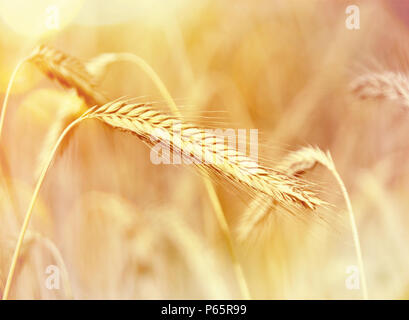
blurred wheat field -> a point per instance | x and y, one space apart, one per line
118 226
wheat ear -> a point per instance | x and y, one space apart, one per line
383 86
69 72
260 208
305 159
66 70
97 67
197 144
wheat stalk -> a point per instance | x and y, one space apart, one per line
4 165
28 214
8 90
383 86
97 68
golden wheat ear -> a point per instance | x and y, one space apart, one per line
382 86
196 144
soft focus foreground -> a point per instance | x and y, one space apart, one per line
116 225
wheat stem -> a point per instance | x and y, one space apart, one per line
31 206
4 165
226 232
6 97
354 232
154 77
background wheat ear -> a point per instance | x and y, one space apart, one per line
66 70
393 86
306 158
72 74
69 72
255 214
